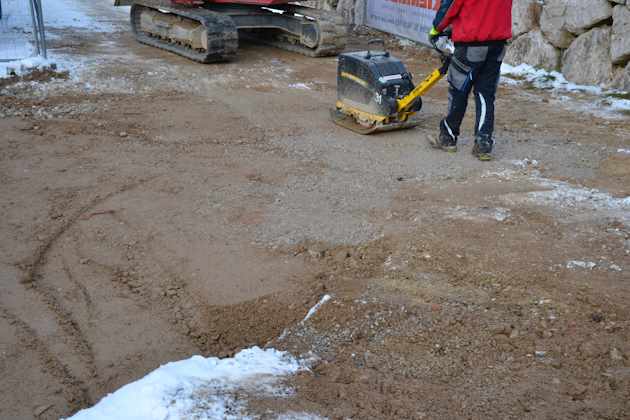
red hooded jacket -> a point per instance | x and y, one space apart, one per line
475 20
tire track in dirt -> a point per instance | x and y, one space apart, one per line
82 289
34 280
75 390
175 296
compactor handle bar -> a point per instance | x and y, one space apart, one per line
376 41
444 55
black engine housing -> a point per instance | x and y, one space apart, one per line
373 82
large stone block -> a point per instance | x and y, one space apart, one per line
621 78
532 48
525 16
620 44
346 9
553 23
584 14
587 61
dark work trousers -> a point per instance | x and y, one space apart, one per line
476 67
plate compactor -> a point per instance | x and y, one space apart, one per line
375 92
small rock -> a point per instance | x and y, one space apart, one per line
123 134
597 317
615 354
41 409
589 349
577 391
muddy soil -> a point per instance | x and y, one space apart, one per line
154 208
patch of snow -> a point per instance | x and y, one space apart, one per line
567 195
24 66
525 163
302 86
79 15
201 387
17 54
581 264
315 308
615 267
544 79
562 195
555 81
499 214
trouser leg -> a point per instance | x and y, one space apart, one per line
485 89
460 83
457 104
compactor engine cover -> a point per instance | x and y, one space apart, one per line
372 83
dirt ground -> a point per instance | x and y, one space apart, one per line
154 208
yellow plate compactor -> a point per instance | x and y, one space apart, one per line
375 92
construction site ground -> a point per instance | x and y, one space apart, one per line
154 208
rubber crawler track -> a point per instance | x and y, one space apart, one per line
222 34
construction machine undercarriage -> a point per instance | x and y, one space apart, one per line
210 32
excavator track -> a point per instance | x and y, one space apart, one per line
210 33
216 35
333 33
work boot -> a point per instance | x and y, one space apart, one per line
446 140
483 147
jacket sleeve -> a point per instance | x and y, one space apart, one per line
449 9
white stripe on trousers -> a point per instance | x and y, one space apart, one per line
482 118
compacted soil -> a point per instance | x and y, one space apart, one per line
154 208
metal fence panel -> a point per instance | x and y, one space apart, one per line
410 19
22 32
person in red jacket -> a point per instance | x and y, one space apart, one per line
480 29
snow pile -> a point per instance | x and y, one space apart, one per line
205 388
581 264
553 80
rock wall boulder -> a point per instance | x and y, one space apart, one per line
553 23
622 78
582 15
525 16
532 48
587 61
590 37
620 45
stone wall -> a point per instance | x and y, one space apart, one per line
587 40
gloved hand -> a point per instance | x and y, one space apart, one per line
433 34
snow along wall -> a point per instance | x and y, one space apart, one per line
587 40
